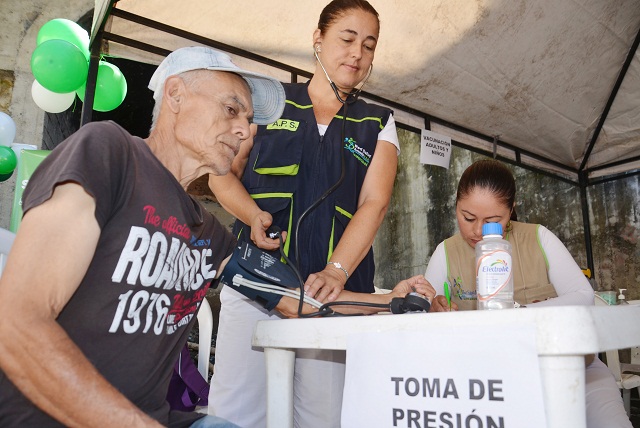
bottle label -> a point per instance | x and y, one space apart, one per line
493 273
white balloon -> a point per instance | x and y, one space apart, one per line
50 101
7 129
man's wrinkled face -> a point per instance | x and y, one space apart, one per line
215 117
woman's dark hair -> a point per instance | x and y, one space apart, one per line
338 8
490 175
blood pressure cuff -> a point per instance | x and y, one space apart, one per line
254 264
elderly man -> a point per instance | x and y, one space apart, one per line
113 257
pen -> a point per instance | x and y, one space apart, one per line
447 294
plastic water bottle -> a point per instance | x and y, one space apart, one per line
494 276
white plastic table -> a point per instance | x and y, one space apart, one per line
564 335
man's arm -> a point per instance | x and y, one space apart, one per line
50 256
289 306
235 199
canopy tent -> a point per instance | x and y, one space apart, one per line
550 83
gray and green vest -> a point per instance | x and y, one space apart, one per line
530 267
291 166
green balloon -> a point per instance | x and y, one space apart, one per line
59 66
5 177
8 160
111 88
66 30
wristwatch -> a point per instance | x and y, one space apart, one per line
339 266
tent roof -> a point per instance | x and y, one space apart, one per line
556 80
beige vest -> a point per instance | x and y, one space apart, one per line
530 279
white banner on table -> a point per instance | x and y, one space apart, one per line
435 149
459 378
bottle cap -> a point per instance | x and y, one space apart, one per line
491 229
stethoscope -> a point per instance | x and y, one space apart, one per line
350 98
409 303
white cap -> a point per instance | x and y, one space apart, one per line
267 93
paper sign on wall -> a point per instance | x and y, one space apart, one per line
458 378
435 149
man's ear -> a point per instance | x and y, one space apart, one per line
174 93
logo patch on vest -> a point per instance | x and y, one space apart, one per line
285 124
461 293
358 152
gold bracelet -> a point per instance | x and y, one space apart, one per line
339 266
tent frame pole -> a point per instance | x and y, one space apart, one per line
92 77
612 97
584 203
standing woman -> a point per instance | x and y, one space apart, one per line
544 272
323 174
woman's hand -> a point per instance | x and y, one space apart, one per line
259 224
417 284
440 304
325 286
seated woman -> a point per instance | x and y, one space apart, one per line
544 271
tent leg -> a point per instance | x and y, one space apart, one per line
584 181
90 89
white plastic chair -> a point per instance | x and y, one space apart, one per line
205 331
627 375
6 241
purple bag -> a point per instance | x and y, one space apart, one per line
187 388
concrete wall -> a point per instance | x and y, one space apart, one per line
615 227
422 210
